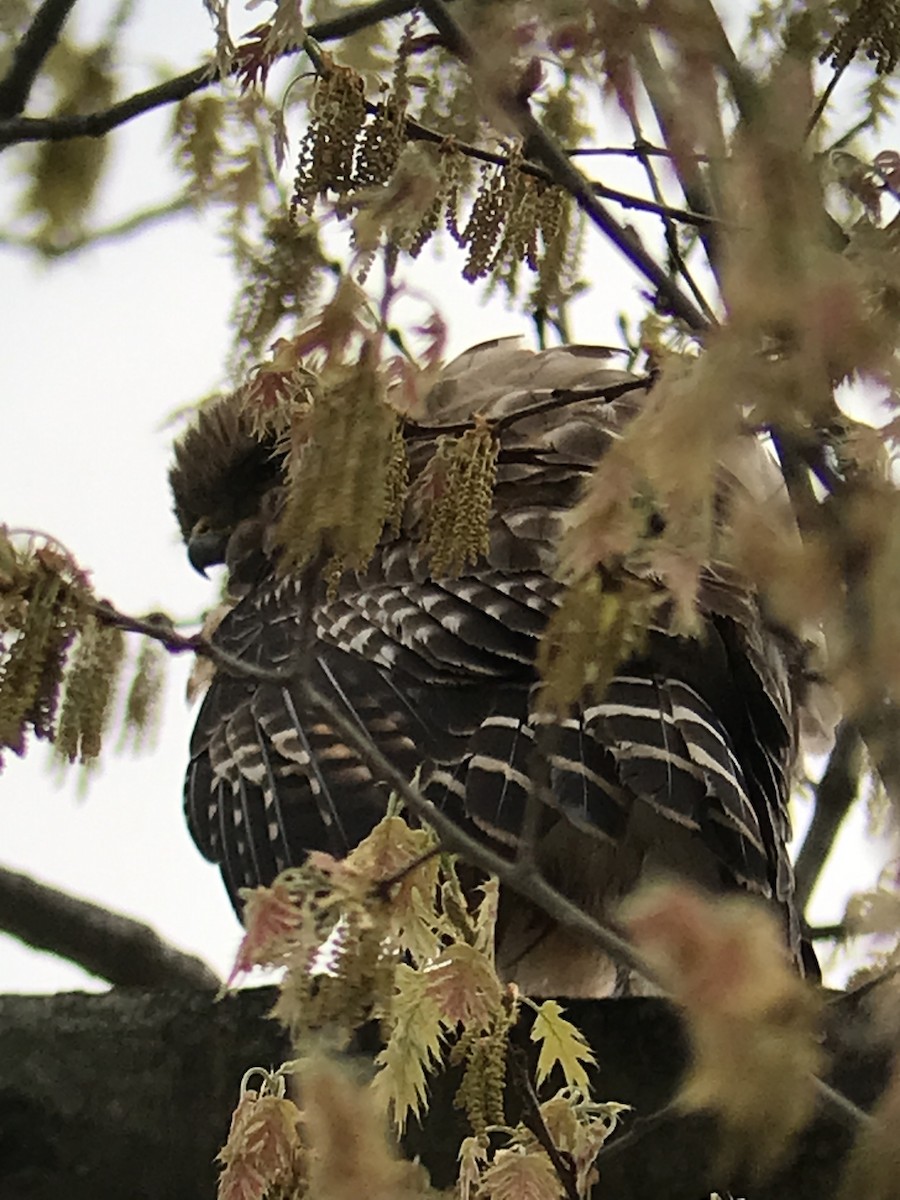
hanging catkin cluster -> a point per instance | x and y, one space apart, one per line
41 608
516 217
327 152
348 479
461 476
873 27
90 682
57 641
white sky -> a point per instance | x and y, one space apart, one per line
96 352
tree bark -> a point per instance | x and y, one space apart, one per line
128 1096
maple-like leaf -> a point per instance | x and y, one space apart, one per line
413 1050
561 1043
464 986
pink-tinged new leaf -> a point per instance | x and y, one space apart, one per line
464 986
752 1021
271 921
520 1174
262 1150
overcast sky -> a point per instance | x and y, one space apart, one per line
97 351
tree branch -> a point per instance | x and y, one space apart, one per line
116 948
417 132
836 792
520 877
28 57
108 233
564 171
39 129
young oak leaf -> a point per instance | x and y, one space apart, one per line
263 1148
272 918
561 1043
464 986
413 1050
520 1174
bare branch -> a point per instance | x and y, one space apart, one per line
671 233
39 129
109 945
565 172
28 57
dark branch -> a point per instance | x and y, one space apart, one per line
29 55
555 398
39 129
836 792
565 173
119 949
417 132
533 1119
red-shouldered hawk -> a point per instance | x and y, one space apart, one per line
681 766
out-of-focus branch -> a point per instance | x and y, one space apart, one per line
836 792
108 233
563 170
119 949
28 57
38 129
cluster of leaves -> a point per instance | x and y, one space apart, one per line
61 657
389 933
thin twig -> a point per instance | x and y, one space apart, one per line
670 232
564 171
696 188
630 152
556 398
28 57
822 102
383 887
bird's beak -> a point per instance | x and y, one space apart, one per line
206 548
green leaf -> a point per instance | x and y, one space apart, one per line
561 1043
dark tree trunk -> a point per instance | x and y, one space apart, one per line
128 1095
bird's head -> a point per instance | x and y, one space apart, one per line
220 479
